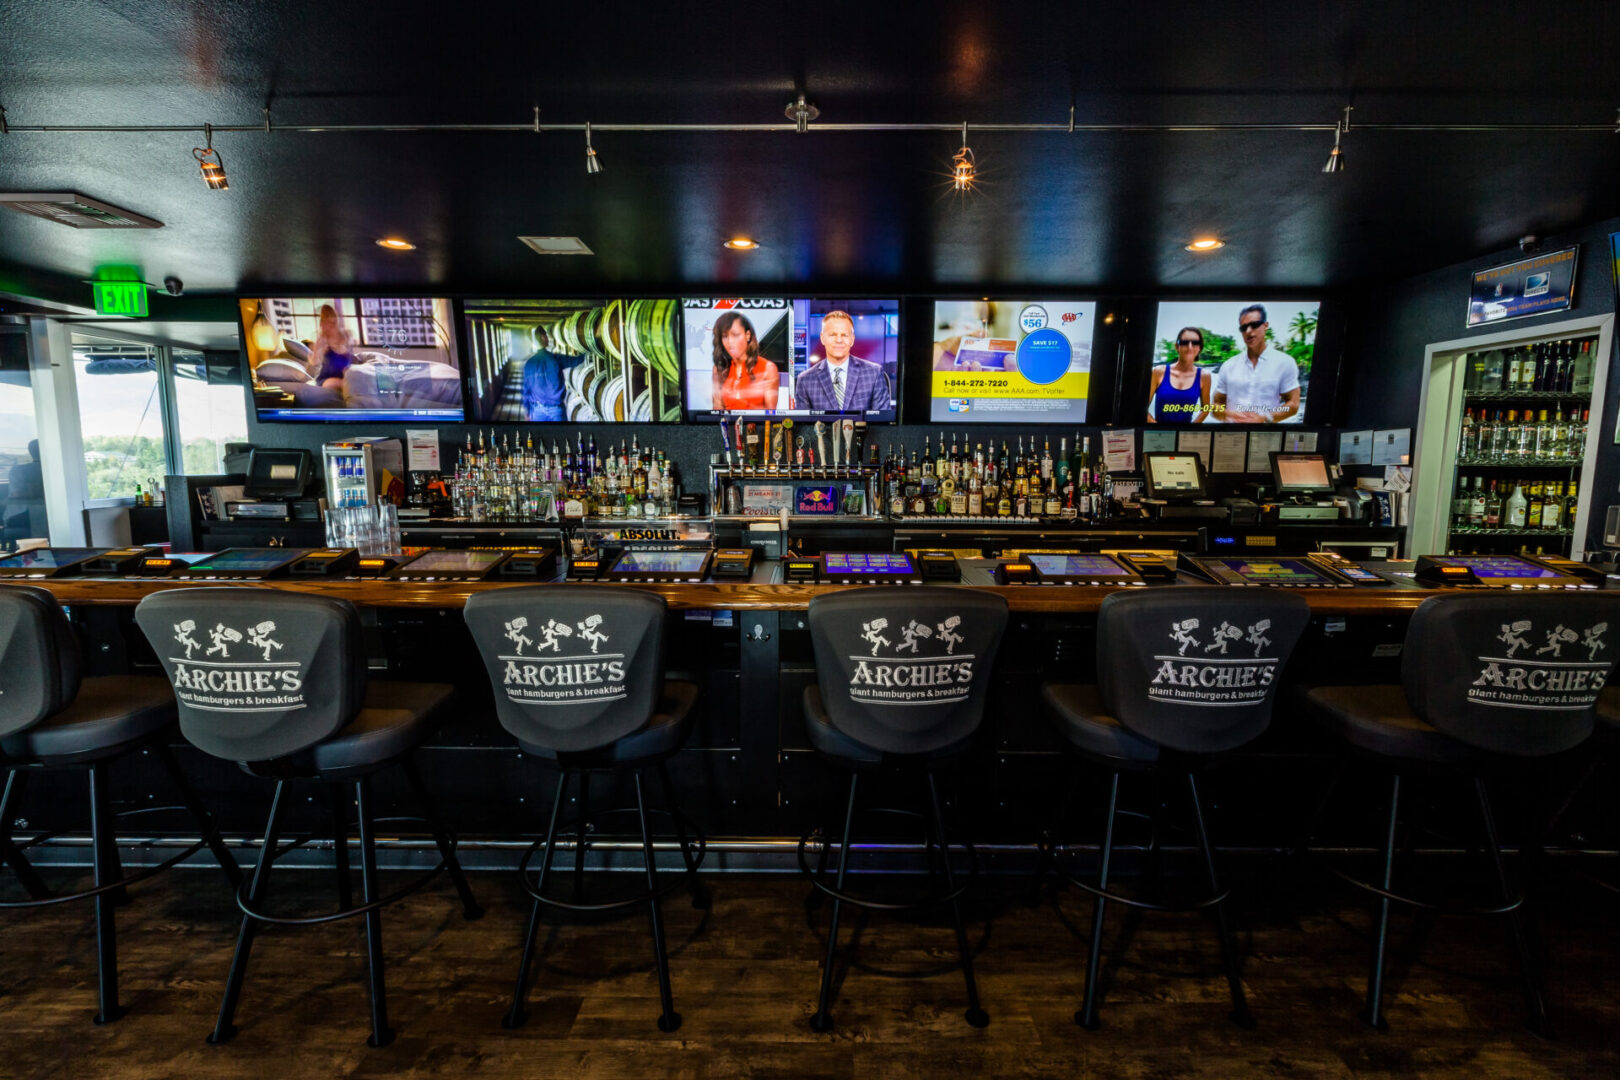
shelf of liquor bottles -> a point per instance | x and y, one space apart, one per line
1554 368
1542 397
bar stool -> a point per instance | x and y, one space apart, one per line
1488 684
277 683
578 674
1183 676
52 719
901 680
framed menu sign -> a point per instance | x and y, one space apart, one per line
1534 286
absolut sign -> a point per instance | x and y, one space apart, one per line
549 663
1211 676
1543 677
909 674
237 671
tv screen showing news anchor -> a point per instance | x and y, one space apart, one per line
1232 361
791 357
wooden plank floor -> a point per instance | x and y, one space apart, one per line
745 973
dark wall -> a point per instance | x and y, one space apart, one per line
1391 326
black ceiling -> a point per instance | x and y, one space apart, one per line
841 211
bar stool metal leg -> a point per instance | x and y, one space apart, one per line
670 1020
515 1015
206 820
1234 977
1048 842
700 892
104 841
822 1020
381 1034
583 818
1087 1016
1536 1007
975 1015
1374 1012
224 1026
16 783
469 906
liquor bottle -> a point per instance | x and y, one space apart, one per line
1062 465
1580 380
1004 505
942 464
1054 500
1533 507
1552 507
1571 505
975 495
1481 448
1459 503
1493 507
1512 366
1465 442
1476 504
1493 371
1533 375
1046 460
1083 481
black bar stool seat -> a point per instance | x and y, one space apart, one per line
1171 702
1379 720
280 686
110 715
578 674
1085 724
1489 684
53 719
851 753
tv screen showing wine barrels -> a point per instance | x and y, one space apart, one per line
587 361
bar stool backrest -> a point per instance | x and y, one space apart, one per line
906 670
1513 672
39 658
1196 669
257 673
574 667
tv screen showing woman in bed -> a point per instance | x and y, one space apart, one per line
352 358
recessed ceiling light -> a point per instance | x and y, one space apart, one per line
1207 243
556 245
742 243
394 243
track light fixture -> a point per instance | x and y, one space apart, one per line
1335 161
593 164
209 162
801 112
964 170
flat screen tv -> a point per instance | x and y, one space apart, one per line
1232 361
1011 361
352 359
803 358
583 361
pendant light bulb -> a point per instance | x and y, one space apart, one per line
209 163
964 170
1335 161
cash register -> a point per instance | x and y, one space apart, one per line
1303 489
1176 488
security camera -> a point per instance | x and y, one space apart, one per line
173 285
1530 243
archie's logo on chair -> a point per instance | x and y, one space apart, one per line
1528 682
1214 680
917 678
239 684
559 679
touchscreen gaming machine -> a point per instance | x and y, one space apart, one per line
856 568
1300 573
1304 488
1492 572
47 562
243 564
664 565
1176 487
439 565
1054 569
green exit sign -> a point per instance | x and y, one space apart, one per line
120 298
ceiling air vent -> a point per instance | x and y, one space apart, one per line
75 211
557 245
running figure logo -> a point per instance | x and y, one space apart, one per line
1225 634
1594 639
874 633
913 632
948 634
223 637
182 634
1510 636
515 634
587 631
1557 639
259 638
1257 635
1181 634
551 632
